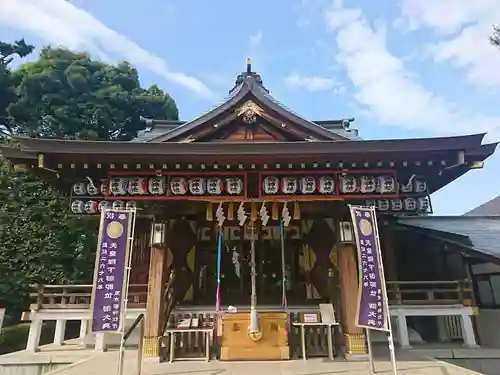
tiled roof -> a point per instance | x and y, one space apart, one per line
490 208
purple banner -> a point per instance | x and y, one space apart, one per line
372 297
110 273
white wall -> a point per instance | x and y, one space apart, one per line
488 324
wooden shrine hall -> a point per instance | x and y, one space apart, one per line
245 207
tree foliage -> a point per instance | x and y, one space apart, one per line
66 94
63 94
495 38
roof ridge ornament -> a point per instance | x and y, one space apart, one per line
249 112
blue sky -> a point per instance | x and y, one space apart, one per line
402 68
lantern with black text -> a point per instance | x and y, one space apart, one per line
396 205
118 205
410 204
138 186
92 189
79 188
383 205
420 186
423 204
103 187
289 185
234 185
368 184
348 184
307 185
104 205
118 186
156 185
78 207
271 185
215 186
131 205
91 207
326 185
178 186
386 184
196 185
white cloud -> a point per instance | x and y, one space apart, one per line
463 28
61 23
310 83
385 87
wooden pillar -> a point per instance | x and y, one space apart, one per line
355 343
155 302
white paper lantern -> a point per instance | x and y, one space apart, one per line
178 186
271 185
410 204
423 204
383 204
196 185
138 186
156 185
215 186
396 205
368 184
407 188
326 185
371 203
118 205
118 186
307 185
91 207
420 186
78 207
79 188
130 205
104 205
234 185
289 185
386 184
92 189
348 184
103 187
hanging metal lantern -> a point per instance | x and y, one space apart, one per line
118 205
156 185
234 185
420 186
104 205
423 204
178 186
348 184
368 184
326 185
79 188
396 205
215 186
289 185
383 204
410 204
271 185
91 207
386 184
78 207
92 189
196 185
138 186
307 185
118 186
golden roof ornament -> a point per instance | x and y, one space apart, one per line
249 112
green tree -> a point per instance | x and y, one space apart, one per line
7 92
67 94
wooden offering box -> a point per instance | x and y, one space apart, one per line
237 345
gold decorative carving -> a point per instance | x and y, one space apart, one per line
249 112
151 346
255 336
355 343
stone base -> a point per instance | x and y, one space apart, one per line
151 347
357 357
355 344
